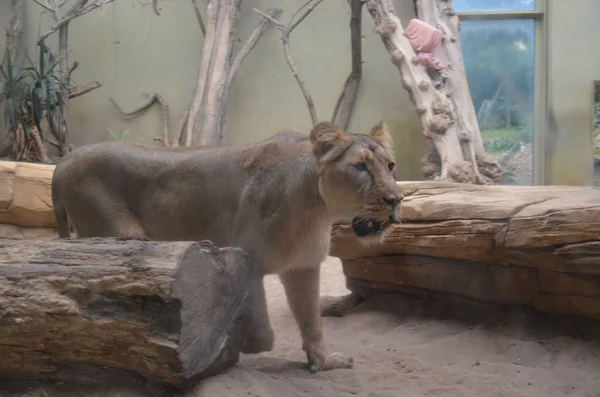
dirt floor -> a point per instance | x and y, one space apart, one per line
402 347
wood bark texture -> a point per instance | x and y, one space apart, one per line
202 124
536 245
205 120
25 198
169 311
445 159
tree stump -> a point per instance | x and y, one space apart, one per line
169 311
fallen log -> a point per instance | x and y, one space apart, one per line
169 311
532 245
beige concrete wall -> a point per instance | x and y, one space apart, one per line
573 66
134 52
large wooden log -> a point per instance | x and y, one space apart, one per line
169 311
533 245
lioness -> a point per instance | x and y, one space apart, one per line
275 199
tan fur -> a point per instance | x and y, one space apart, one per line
275 199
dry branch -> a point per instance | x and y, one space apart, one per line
345 103
251 42
156 97
79 90
286 31
199 17
81 7
170 311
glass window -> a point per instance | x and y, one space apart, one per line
493 5
499 59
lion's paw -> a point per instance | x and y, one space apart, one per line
332 361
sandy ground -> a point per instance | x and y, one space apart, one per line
402 347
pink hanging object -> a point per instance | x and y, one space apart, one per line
429 60
422 36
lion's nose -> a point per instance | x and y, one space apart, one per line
393 200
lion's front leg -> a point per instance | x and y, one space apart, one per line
302 291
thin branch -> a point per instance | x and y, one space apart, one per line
285 38
270 18
251 42
78 9
40 145
199 17
156 97
165 107
80 90
308 11
44 5
347 98
144 106
71 70
180 127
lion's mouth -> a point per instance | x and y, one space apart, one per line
364 227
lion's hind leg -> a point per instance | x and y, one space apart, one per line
102 217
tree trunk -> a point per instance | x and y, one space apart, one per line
205 119
345 104
170 311
453 83
63 76
451 154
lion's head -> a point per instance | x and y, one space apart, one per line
357 177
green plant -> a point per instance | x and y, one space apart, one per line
117 137
14 86
44 94
31 93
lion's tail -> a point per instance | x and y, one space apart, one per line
60 213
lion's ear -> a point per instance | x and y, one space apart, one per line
381 133
324 137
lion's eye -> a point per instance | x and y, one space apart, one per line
361 166
391 166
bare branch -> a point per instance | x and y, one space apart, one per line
180 127
44 5
251 42
81 7
345 103
71 70
308 11
143 107
165 107
270 18
40 145
155 7
80 90
285 38
156 97
199 17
